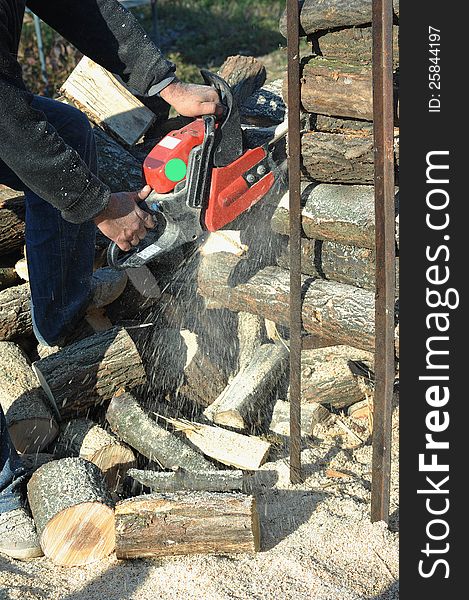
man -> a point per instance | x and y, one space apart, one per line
47 149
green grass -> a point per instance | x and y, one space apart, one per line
193 33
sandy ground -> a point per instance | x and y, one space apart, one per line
317 542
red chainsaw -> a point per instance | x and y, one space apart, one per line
202 179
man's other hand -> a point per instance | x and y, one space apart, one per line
122 221
192 100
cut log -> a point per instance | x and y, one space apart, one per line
29 420
225 240
88 373
133 426
340 213
311 415
336 88
245 75
15 314
117 168
338 125
227 447
333 310
329 14
182 480
157 525
86 439
243 402
250 335
339 158
12 214
8 277
326 377
73 512
353 44
107 102
265 106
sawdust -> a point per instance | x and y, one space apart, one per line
317 542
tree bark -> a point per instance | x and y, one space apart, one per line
353 44
243 401
311 415
117 168
157 525
332 310
250 336
265 106
340 158
245 75
12 215
88 373
181 480
328 124
133 426
15 315
8 277
87 440
326 377
73 512
29 420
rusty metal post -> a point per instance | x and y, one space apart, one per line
294 165
383 119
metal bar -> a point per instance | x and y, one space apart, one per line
294 164
383 118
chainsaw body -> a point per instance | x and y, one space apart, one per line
202 179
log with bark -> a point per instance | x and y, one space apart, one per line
117 168
352 44
227 447
333 310
326 376
157 525
336 88
12 215
15 314
181 480
244 401
73 512
87 440
129 422
340 158
88 373
8 277
330 14
265 106
245 75
328 124
311 415
28 417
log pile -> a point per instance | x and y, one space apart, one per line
153 419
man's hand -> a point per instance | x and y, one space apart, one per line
122 221
192 100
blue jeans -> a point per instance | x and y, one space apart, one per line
60 263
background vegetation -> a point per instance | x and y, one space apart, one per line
192 33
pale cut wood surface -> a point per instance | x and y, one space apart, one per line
107 102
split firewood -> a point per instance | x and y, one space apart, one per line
107 102
133 426
29 420
330 14
185 523
12 215
353 44
326 376
239 405
332 310
250 337
340 213
227 447
245 75
15 312
8 277
340 158
86 439
87 373
181 480
359 410
73 512
311 415
21 269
